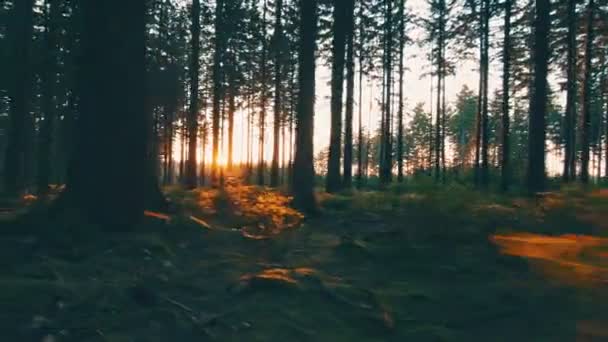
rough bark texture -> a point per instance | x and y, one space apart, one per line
570 115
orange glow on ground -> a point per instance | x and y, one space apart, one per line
568 258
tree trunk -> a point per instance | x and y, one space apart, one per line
231 111
46 129
192 121
350 94
337 87
303 173
570 115
586 105
538 101
400 113
485 17
440 79
217 90
360 133
278 34
263 100
506 77
386 171
113 124
21 39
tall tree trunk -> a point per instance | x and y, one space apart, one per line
263 100
400 113
46 129
337 87
570 115
113 100
386 171
440 79
278 35
478 115
231 112
21 39
192 120
350 94
538 101
360 133
303 173
485 17
586 105
217 90
506 77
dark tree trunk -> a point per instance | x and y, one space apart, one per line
485 17
263 100
350 94
20 89
586 105
387 170
538 100
400 113
217 90
278 34
192 121
506 73
46 129
360 133
113 124
337 86
303 173
231 111
440 80
570 115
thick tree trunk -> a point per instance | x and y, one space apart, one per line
110 155
333 182
231 111
506 77
303 173
586 105
21 39
570 116
278 33
192 121
538 101
350 94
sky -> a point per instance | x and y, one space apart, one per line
416 89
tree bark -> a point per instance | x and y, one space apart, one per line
105 182
263 100
400 112
570 115
350 94
538 101
303 173
192 121
506 77
278 33
21 32
217 90
586 105
485 17
386 170
337 85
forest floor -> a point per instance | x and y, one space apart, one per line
239 265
